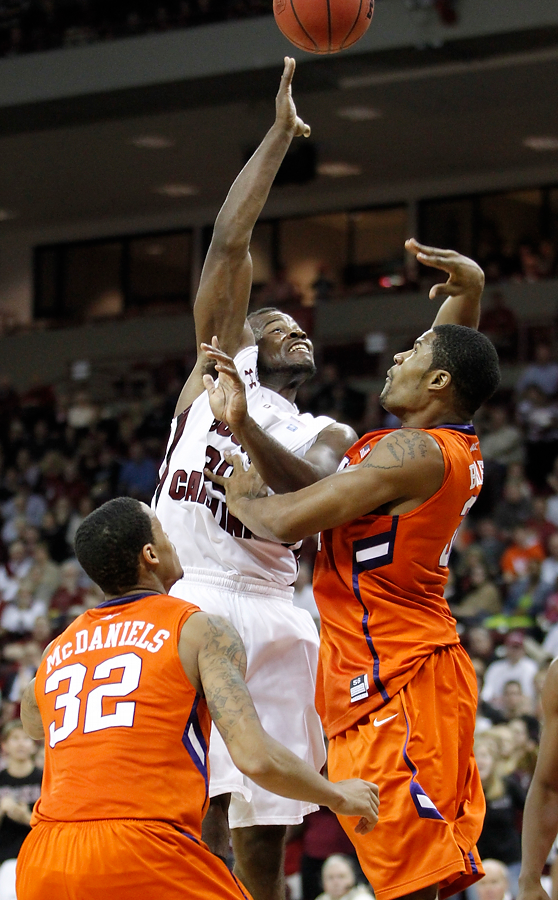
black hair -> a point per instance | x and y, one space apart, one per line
260 312
109 541
471 360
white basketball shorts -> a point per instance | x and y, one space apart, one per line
282 654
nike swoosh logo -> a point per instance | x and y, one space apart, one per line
383 721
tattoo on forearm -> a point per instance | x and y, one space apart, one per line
404 444
223 665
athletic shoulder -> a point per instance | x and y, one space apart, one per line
406 448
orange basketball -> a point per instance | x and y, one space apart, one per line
323 26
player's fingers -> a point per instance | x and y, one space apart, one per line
288 72
364 826
213 352
302 129
208 383
216 479
443 290
435 261
414 246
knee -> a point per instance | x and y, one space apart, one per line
260 843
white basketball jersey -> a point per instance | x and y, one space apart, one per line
192 509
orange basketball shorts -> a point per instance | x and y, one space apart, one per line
119 859
418 749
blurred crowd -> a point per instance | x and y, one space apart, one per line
64 451
31 25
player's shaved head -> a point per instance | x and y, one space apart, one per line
110 540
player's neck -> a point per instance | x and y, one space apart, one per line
430 418
147 587
287 391
20 768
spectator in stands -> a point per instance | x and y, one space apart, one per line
44 574
523 548
20 788
516 666
483 597
54 530
512 510
500 324
322 837
138 475
538 414
70 593
339 880
525 748
539 522
514 701
18 616
82 413
504 800
503 441
495 884
19 561
543 373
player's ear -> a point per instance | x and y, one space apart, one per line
149 556
440 379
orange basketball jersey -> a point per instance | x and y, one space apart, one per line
379 586
126 734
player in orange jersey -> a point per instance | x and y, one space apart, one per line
396 691
124 698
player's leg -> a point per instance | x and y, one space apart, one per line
431 798
215 826
259 854
428 893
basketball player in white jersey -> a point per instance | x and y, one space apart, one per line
226 570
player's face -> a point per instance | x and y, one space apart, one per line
169 569
406 389
283 346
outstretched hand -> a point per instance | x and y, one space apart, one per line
360 798
285 109
465 276
227 395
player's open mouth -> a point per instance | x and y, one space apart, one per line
299 346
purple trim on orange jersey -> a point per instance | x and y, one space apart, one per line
474 866
464 429
121 601
374 561
193 723
427 809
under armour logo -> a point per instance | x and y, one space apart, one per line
250 373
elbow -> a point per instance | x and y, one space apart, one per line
257 766
229 239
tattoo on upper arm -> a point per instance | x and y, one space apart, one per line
400 445
222 661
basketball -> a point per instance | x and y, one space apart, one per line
323 26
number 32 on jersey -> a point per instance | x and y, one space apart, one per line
94 719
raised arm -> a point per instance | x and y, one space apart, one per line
279 467
540 817
213 655
403 470
224 292
463 289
